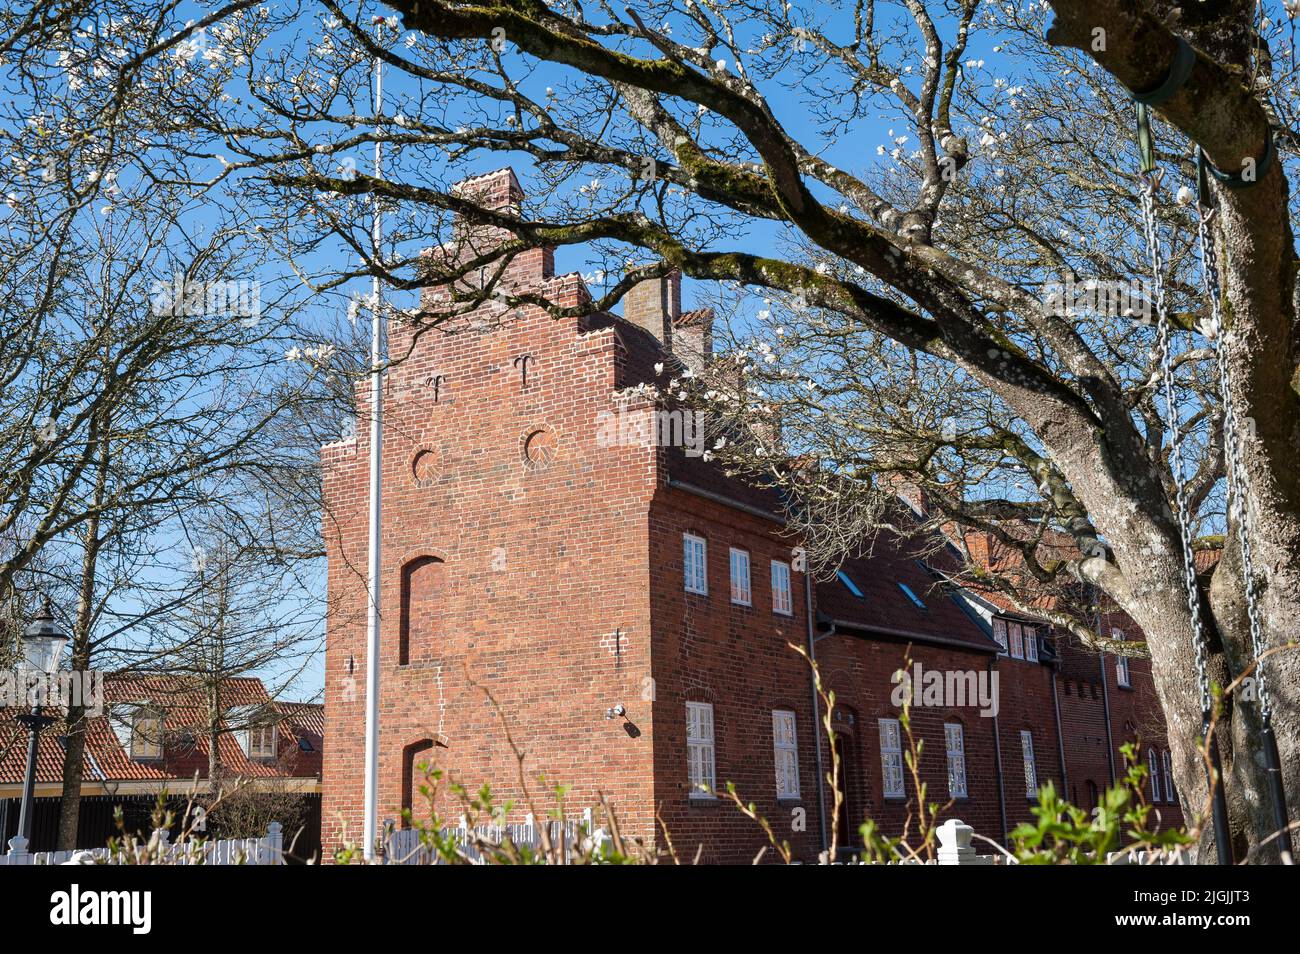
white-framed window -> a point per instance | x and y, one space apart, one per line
254 730
956 748
781 601
785 748
699 749
1031 770
1171 795
260 741
1121 672
1031 644
695 556
1153 769
1000 635
740 589
891 757
1017 641
146 734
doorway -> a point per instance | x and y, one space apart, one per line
846 781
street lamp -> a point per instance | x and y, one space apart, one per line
43 643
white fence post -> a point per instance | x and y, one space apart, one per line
274 844
18 854
954 843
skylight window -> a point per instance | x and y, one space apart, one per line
850 585
911 596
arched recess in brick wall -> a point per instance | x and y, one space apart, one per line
413 756
847 766
423 583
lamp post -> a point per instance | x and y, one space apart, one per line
43 643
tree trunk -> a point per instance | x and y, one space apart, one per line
74 751
1157 604
1221 113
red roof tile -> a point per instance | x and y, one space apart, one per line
186 739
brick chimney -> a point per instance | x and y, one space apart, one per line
492 190
910 493
693 338
655 304
498 191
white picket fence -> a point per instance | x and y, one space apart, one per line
402 845
1171 856
955 848
265 850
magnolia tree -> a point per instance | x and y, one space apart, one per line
926 223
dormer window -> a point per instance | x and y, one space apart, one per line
256 731
146 734
139 729
261 742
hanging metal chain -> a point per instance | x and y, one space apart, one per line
1149 183
1238 501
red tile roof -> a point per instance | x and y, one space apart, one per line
186 745
1207 559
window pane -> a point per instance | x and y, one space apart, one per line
956 759
694 564
781 588
785 754
1031 771
699 747
740 588
891 757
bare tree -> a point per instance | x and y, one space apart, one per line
143 354
247 619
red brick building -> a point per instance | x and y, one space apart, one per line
1094 703
534 551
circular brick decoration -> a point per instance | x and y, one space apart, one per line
539 448
424 467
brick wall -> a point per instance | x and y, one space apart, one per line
525 549
739 659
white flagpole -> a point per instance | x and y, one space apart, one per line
376 490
